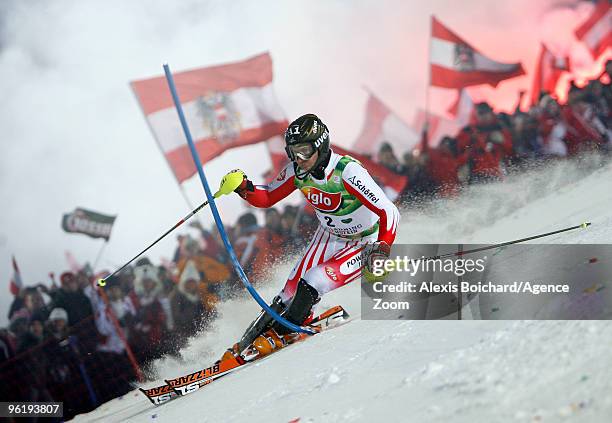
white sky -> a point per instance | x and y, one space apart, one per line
73 134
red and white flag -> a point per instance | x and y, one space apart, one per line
596 31
549 69
278 157
439 126
456 64
463 109
225 106
381 124
16 282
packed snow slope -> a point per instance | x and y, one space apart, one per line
422 371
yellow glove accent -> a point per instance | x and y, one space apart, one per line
230 182
371 277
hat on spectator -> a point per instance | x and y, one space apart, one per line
18 323
190 272
483 107
247 219
65 277
385 147
58 314
141 273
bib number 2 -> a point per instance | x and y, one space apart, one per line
329 221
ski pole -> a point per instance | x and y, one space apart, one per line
102 282
516 241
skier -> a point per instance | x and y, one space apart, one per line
357 225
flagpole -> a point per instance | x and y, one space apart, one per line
93 267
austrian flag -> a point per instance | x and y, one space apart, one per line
383 125
596 31
548 71
456 64
16 282
226 106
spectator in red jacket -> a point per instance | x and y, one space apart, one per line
551 128
442 165
582 134
484 145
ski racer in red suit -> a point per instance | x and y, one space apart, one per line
353 212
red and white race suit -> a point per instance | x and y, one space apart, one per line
352 211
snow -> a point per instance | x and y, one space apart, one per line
422 371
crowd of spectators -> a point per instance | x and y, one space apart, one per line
68 342
494 144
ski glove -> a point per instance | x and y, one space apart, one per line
235 181
378 251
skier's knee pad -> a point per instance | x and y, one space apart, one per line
300 306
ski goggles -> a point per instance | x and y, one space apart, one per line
302 151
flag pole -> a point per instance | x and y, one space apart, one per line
93 267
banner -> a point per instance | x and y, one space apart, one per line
225 106
89 223
548 71
383 125
16 282
596 31
456 64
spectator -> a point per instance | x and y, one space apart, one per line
34 336
420 184
484 145
71 298
63 374
598 102
582 132
58 320
268 245
552 128
525 137
213 273
245 236
442 165
187 307
121 305
148 332
387 158
17 303
35 361
7 346
211 245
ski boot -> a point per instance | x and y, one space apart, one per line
298 310
269 341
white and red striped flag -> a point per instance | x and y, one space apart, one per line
439 126
16 281
278 157
381 124
225 106
463 108
596 31
456 64
549 69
